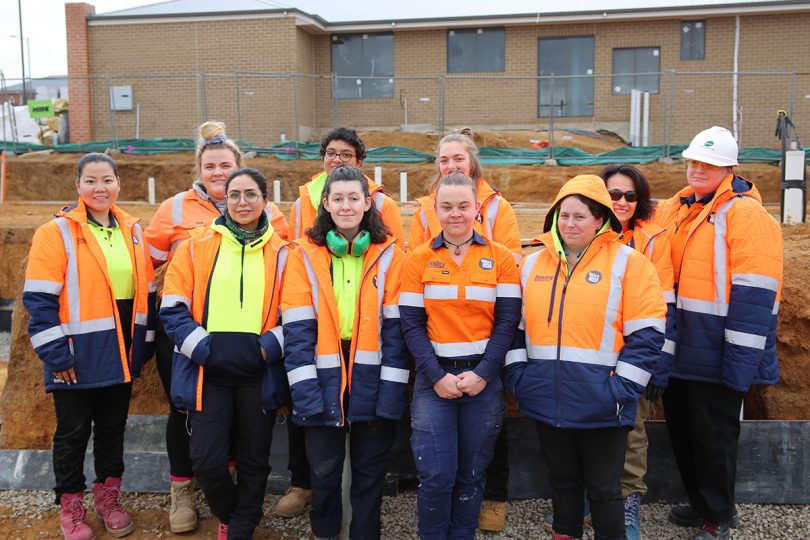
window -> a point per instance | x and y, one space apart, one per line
636 69
693 40
355 56
475 50
561 57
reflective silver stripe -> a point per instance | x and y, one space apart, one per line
522 323
635 325
719 309
649 249
297 211
152 287
171 300
514 356
278 332
88 327
383 265
368 358
492 214
633 373
720 227
775 310
303 313
669 346
379 199
43 286
391 312
423 218
528 266
669 297
281 260
140 318
614 300
441 292
744 339
177 209
302 373
192 340
46 336
517 257
72 271
464 348
158 254
484 294
326 361
150 336
411 299
505 290
313 282
177 243
392 374
572 354
755 280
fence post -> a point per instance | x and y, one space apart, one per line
403 186
334 101
150 189
551 120
794 83
441 106
238 109
671 107
203 104
113 134
296 126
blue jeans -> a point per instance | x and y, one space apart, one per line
453 441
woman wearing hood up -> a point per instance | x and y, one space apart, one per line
592 332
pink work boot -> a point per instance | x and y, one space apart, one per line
72 518
222 531
108 507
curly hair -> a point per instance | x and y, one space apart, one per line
372 219
645 206
347 135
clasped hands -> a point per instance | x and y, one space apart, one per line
454 386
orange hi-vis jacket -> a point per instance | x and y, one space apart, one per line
653 241
178 215
302 215
590 339
74 317
375 375
466 313
728 258
496 220
184 309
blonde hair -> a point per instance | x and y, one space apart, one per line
465 137
457 178
212 137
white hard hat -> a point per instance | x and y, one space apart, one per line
715 146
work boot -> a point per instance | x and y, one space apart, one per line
183 512
632 519
293 502
222 531
548 522
72 518
108 507
712 531
686 516
493 516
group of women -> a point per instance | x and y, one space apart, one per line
330 322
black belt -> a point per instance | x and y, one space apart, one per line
458 364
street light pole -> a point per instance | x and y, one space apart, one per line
22 55
28 52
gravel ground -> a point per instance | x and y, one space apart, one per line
524 518
5 344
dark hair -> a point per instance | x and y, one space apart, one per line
457 178
347 135
255 174
645 206
597 209
95 157
372 220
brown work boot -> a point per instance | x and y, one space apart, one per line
493 516
293 502
108 507
183 512
72 518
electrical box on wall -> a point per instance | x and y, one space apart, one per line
121 98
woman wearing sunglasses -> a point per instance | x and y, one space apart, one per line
630 194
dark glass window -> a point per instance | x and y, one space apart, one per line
693 40
355 57
570 60
636 68
475 50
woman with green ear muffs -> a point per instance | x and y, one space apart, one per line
344 351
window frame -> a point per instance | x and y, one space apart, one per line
692 25
615 74
365 86
589 78
477 33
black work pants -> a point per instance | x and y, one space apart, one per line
177 437
104 409
498 469
703 420
232 408
586 460
298 463
370 445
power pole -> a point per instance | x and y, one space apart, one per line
22 56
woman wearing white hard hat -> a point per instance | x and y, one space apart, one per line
727 258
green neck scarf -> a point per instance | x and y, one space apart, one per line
246 237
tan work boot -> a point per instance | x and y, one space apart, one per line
183 512
293 502
493 516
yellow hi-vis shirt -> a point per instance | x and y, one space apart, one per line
119 265
346 275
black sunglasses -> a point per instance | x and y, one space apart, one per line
617 194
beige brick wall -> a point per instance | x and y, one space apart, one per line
174 106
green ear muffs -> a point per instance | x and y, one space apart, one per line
339 245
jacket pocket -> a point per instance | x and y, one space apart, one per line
234 354
275 389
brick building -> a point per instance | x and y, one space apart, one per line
267 70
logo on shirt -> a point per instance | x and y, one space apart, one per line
486 264
538 277
593 277
435 264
